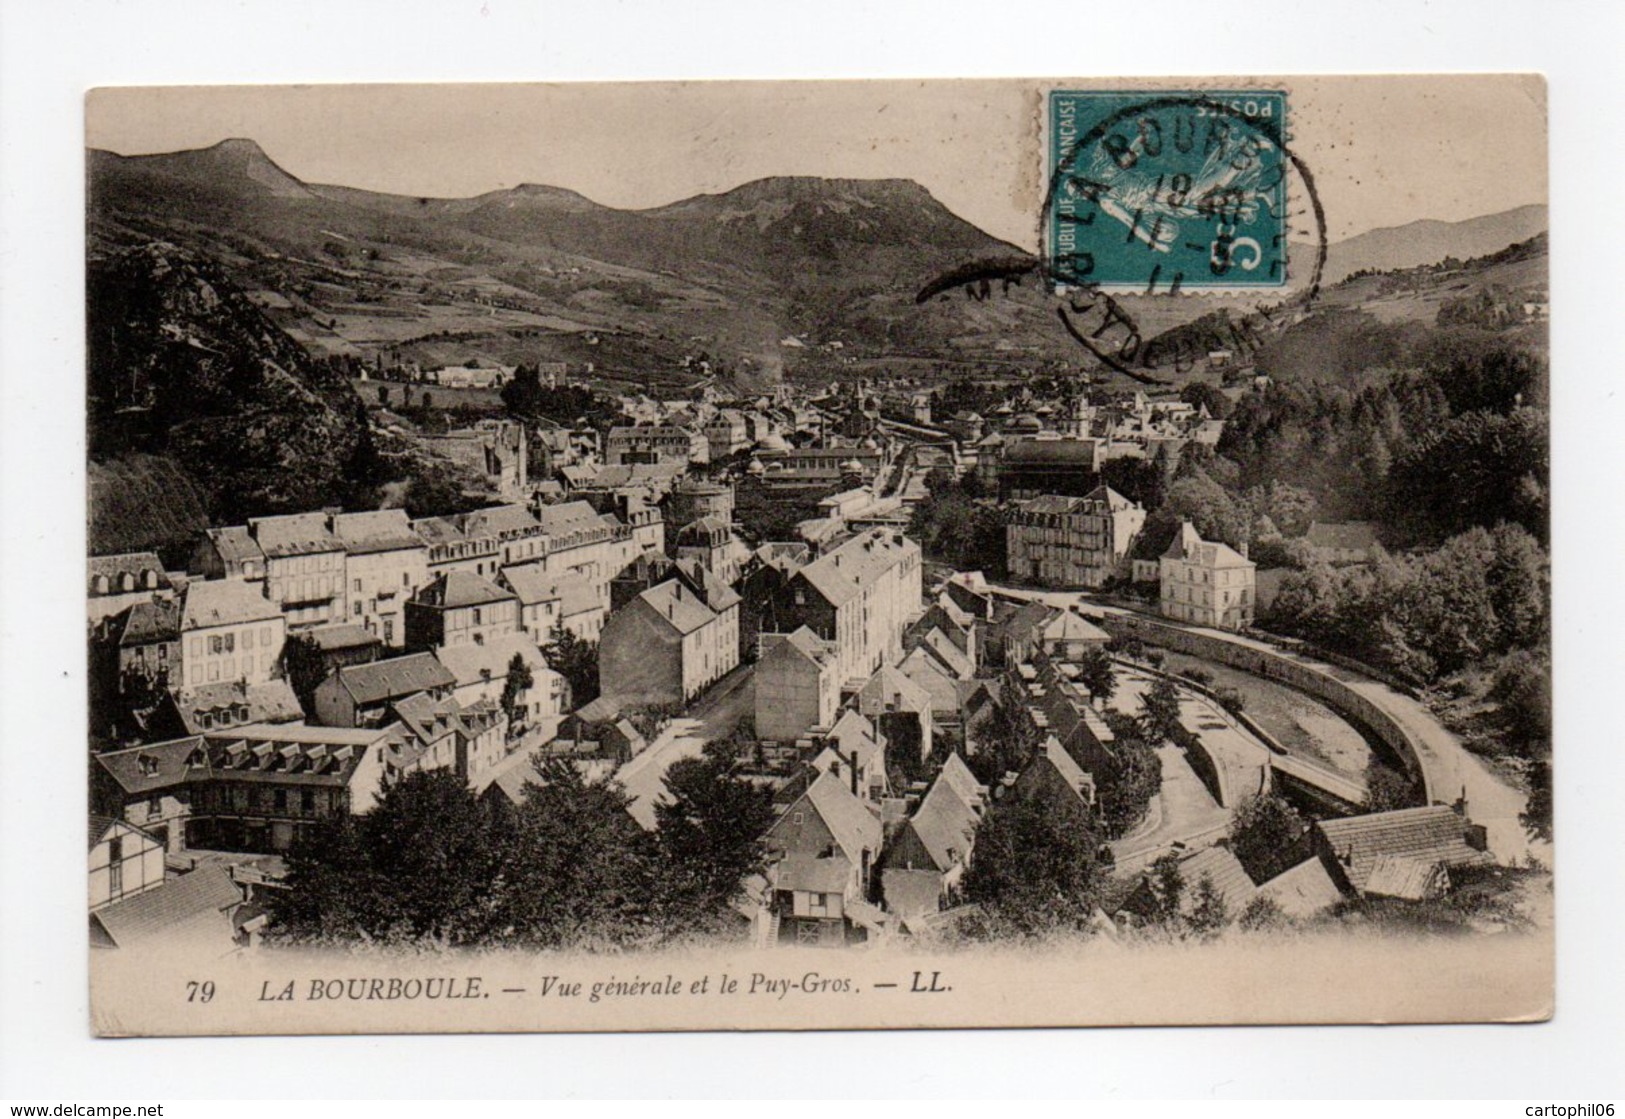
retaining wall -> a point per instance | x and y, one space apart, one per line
1273 666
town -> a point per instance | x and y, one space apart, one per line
831 664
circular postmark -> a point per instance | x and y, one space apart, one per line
1164 194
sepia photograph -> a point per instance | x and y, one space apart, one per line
818 555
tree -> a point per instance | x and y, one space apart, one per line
578 871
1387 789
1036 871
524 396
306 668
1167 888
1159 712
575 659
519 679
419 864
1199 393
709 839
1536 817
1262 912
1096 673
1209 911
1128 781
1264 832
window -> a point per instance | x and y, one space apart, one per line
265 637
155 806
357 610
406 579
217 644
355 585
279 800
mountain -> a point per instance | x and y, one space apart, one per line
538 272
1429 242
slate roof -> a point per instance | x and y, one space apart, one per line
718 595
1434 834
439 530
1071 774
146 623
677 606
457 589
1070 626
341 635
1229 878
929 673
1190 547
394 678
224 602
845 570
1302 891
890 686
184 909
271 702
1058 452
234 545
101 825
297 534
568 517
497 520
853 826
1399 876
945 823
470 664
383 530
137 564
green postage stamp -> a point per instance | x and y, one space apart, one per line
1168 191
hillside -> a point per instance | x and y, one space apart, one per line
1420 243
184 366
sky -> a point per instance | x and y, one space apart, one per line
1383 150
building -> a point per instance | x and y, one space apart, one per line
860 596
144 643
924 864
194 914
1057 541
228 631
441 734
693 498
669 641
460 609
900 708
711 542
218 706
655 443
117 583
726 433
452 549
1347 542
494 450
228 553
1054 778
1207 584
1217 866
360 695
254 788
304 567
823 850
578 540
1032 468
510 530
854 751
1406 854
124 861
385 563
798 685
480 672
343 645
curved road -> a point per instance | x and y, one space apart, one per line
1452 770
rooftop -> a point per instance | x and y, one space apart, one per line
394 678
224 602
297 534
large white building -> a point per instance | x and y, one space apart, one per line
860 596
1206 583
1072 541
386 562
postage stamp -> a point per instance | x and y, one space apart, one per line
1167 191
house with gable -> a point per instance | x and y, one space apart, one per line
798 686
923 865
668 641
1407 853
360 695
823 850
899 707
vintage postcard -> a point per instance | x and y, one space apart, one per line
805 555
